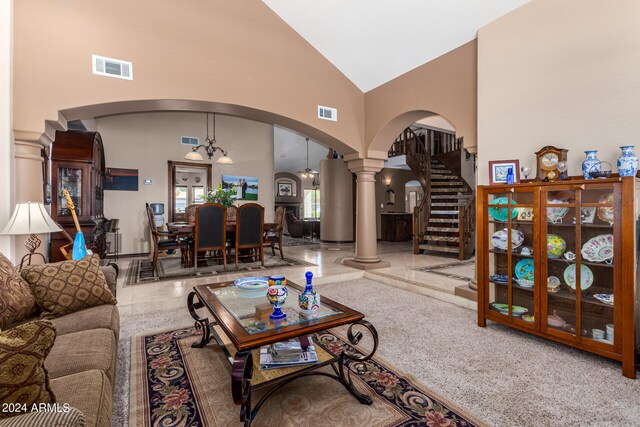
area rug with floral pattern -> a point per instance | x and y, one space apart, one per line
173 384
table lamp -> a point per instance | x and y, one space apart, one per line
30 218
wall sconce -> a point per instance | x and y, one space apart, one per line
387 181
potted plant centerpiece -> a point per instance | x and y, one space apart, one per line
221 195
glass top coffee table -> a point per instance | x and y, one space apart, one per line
241 325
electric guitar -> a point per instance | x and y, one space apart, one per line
79 245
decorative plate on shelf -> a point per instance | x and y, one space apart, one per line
498 278
499 239
605 213
605 298
252 283
516 310
502 214
586 276
528 318
524 269
555 246
556 214
599 248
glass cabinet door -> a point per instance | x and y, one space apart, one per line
578 262
597 253
511 256
69 178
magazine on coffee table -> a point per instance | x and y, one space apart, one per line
294 352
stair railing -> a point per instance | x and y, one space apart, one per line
466 226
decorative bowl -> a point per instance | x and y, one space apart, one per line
499 239
528 318
605 298
525 283
524 269
502 214
599 248
555 246
556 214
606 213
601 170
586 276
252 283
555 321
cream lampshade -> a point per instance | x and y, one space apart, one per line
30 218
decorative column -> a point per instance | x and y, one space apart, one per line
6 147
366 255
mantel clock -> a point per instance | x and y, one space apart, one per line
547 160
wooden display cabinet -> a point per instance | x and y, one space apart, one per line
78 165
578 231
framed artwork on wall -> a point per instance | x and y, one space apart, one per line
246 186
285 189
498 170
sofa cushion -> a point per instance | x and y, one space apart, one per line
64 418
68 286
90 392
23 376
6 264
104 316
83 351
16 300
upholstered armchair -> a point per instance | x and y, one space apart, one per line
294 225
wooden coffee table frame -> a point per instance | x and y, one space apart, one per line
244 342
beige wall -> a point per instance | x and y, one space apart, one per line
444 86
6 151
147 141
563 73
233 53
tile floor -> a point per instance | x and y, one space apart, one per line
328 258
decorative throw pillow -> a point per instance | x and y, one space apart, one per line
6 265
68 286
23 377
16 300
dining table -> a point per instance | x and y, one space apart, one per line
184 230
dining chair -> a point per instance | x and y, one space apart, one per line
190 213
210 233
249 229
231 213
273 237
162 241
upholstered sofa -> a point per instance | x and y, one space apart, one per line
81 364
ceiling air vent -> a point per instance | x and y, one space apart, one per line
110 67
189 140
327 113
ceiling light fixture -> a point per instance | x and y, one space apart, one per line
210 149
307 173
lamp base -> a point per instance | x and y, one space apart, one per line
31 243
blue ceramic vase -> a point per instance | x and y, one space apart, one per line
628 161
309 299
590 162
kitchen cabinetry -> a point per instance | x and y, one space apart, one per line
558 260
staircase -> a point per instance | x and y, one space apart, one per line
445 220
451 220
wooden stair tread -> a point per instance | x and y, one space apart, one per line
436 248
442 239
444 229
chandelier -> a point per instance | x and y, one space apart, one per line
307 173
210 149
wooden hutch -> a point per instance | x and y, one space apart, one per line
558 260
77 164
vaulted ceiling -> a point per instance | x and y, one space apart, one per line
374 41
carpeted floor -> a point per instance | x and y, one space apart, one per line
140 270
502 376
175 384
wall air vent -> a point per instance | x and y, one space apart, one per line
327 113
189 140
110 67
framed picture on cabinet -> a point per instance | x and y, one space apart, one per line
498 170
